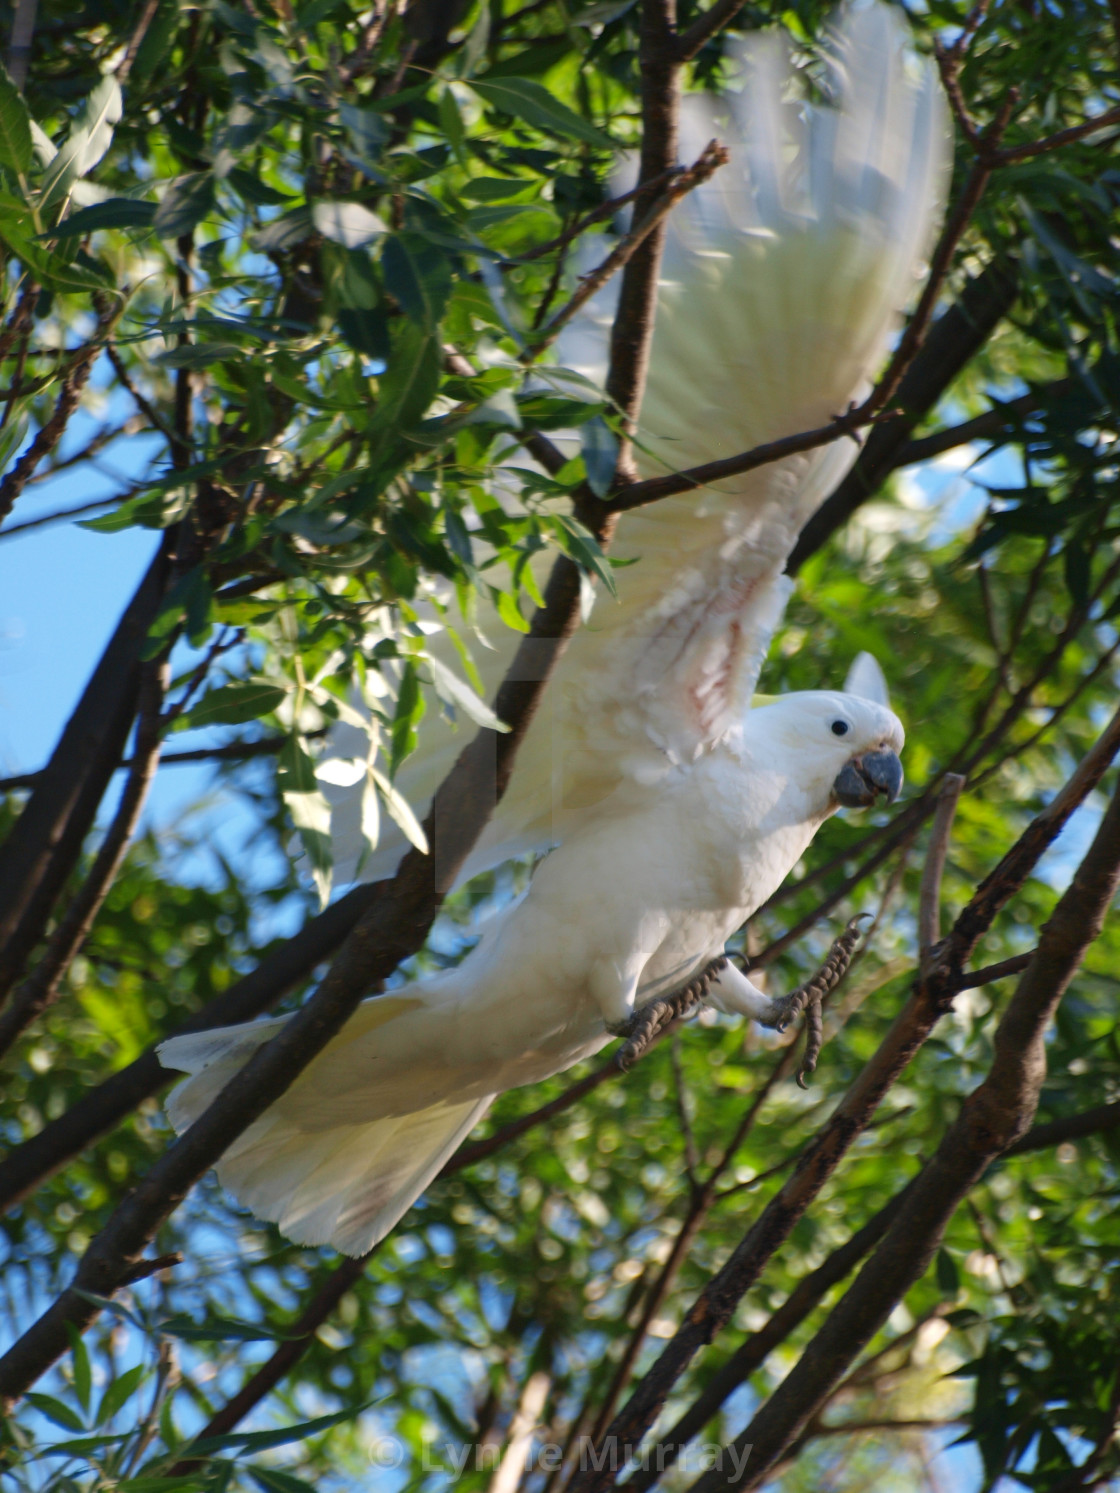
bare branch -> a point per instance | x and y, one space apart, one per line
708 163
975 978
1072 1127
142 403
45 843
596 215
1055 142
1001 419
143 1268
397 920
992 1118
931 998
49 435
143 21
705 27
40 989
278 973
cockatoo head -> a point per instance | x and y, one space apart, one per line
846 742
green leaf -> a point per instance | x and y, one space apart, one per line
309 810
234 704
52 271
366 130
347 223
157 39
88 140
400 812
186 202
449 684
222 1330
198 354
451 122
56 1411
496 188
583 548
409 384
15 128
948 1276
83 1377
118 212
12 438
273 1480
509 612
285 232
255 191
366 330
418 276
406 719
599 446
118 1392
534 104
263 1440
190 597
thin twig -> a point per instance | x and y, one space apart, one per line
984 582
144 1268
595 215
40 988
50 433
1001 419
1055 142
707 164
692 41
397 919
990 1120
142 403
140 30
973 979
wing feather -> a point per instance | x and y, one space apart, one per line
784 280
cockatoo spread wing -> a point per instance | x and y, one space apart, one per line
784 279
677 808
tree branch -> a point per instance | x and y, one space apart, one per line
50 433
40 988
992 1118
43 847
707 164
931 998
693 40
94 1115
954 340
1001 419
397 920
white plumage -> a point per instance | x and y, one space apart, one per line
677 808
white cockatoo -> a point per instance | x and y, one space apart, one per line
675 802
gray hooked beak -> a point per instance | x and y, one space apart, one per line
861 780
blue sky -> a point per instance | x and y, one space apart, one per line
62 590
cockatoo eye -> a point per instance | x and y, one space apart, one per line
839 728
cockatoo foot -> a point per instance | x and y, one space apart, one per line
808 997
646 1023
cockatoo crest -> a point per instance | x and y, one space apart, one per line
866 679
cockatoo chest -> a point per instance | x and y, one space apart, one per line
733 832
